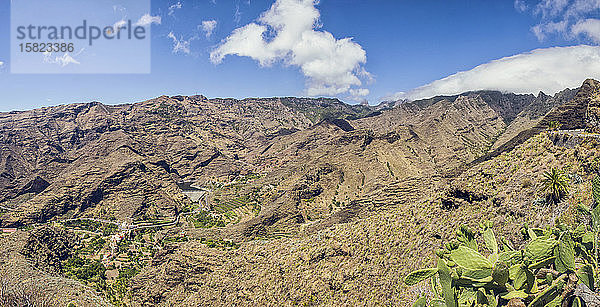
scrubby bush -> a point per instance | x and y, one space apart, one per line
21 295
48 246
554 126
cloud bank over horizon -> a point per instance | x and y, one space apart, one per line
289 33
549 70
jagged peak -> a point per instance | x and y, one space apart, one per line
589 87
591 82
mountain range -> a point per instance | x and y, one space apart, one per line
305 201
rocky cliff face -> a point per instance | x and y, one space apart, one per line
592 113
573 113
533 113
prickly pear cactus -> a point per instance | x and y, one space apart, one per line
542 273
418 276
596 189
488 237
466 236
549 270
540 248
500 274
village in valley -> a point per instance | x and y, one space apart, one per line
110 252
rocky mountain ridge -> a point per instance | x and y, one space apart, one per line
192 138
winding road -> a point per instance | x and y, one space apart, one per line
124 226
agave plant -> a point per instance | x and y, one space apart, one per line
555 184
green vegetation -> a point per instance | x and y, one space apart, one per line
176 238
326 108
544 272
166 110
554 126
118 291
555 184
247 178
220 244
231 207
132 255
91 272
106 229
94 245
203 219
224 206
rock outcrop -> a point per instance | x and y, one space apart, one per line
48 246
579 113
592 114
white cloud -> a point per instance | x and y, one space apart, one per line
1 64
287 33
542 30
119 8
569 18
237 16
549 8
119 24
394 97
589 28
521 6
63 60
359 92
549 70
179 44
582 7
148 20
208 26
174 7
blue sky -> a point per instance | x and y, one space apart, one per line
400 49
